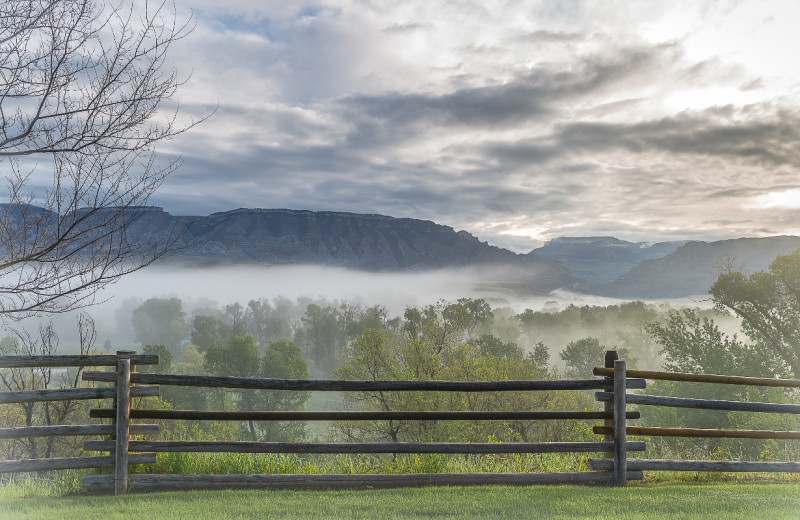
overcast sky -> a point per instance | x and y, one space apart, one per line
515 121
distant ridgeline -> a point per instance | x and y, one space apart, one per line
603 266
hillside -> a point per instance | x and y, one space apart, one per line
356 241
604 266
695 266
600 260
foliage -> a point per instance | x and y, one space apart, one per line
582 356
159 321
768 304
164 359
282 359
427 351
208 330
695 344
239 357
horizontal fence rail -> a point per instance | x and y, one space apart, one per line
705 404
69 394
703 378
69 430
700 465
361 447
654 431
26 465
74 361
192 415
122 451
143 482
335 385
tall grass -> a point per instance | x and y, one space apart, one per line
54 484
243 463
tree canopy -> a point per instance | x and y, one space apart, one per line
768 303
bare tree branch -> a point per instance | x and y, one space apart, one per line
82 93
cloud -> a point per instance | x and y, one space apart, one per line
565 118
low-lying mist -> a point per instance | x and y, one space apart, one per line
201 289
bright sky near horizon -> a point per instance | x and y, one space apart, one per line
517 121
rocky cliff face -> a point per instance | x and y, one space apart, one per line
367 242
595 265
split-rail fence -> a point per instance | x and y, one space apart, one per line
612 389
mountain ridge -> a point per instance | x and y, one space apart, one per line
603 266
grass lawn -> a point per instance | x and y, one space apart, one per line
670 500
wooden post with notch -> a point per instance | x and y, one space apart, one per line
608 406
620 448
122 425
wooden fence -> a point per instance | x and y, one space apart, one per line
613 468
124 451
701 404
121 395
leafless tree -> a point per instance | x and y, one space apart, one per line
84 89
44 343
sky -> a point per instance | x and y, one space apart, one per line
516 121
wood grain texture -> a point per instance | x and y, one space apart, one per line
703 378
68 394
620 452
324 385
700 465
78 429
73 361
123 426
138 482
19 466
653 431
192 415
360 447
704 404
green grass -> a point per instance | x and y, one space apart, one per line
244 463
653 501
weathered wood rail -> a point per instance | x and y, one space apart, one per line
701 404
122 451
142 482
121 394
613 390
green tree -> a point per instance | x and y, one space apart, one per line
582 356
373 357
540 355
282 359
164 359
208 330
768 303
238 358
159 321
491 346
190 362
378 356
321 331
691 343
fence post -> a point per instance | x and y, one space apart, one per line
123 424
620 448
608 406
